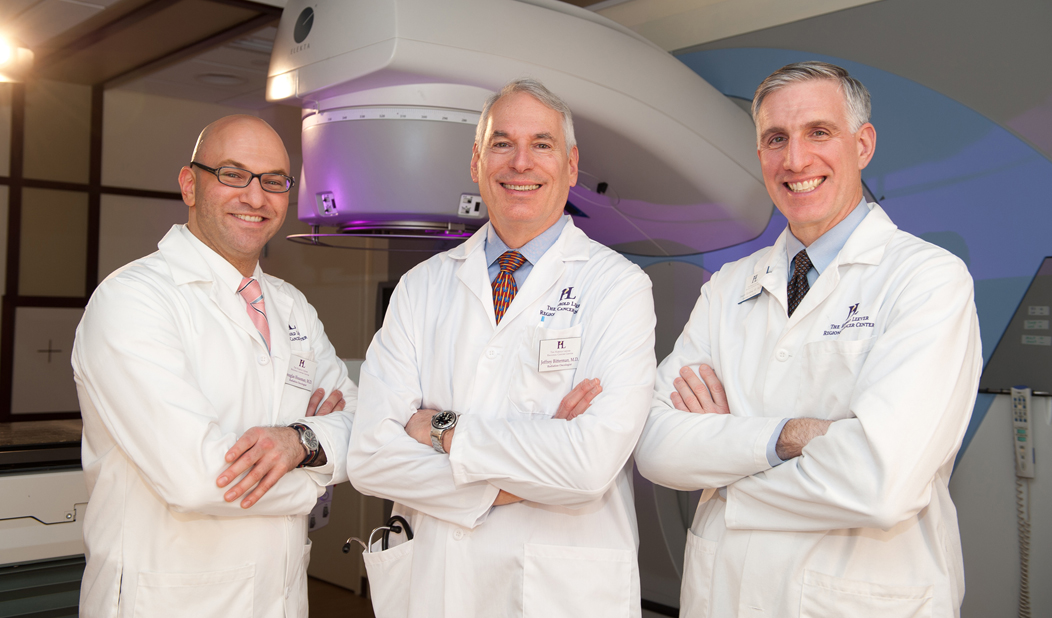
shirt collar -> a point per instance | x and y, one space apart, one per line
828 245
228 276
533 250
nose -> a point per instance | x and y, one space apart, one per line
253 194
797 155
522 160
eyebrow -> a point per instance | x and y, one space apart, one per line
504 134
811 125
235 163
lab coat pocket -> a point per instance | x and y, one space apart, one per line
160 595
390 578
699 559
838 364
825 596
576 581
546 376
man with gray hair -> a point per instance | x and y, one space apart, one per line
481 411
836 372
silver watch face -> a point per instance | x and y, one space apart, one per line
444 420
308 438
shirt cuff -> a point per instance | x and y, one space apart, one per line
772 445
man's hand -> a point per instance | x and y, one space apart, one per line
796 433
334 403
577 401
267 453
698 396
419 427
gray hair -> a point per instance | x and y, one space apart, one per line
537 90
856 97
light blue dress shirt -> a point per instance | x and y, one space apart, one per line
532 250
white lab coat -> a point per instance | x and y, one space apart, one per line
170 372
861 524
570 548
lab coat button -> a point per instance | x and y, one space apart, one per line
458 534
491 353
782 355
263 359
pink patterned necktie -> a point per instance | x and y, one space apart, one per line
504 287
257 311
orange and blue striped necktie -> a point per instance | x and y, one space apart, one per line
504 287
257 311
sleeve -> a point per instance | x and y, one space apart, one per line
333 430
556 462
911 405
383 460
134 376
688 451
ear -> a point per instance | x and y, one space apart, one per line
475 163
866 138
574 157
188 186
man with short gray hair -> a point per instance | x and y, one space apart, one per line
821 389
475 416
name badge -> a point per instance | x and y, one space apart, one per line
559 354
752 289
301 373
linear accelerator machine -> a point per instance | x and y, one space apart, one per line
391 92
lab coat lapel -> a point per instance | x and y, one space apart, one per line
188 267
771 271
865 246
473 270
279 313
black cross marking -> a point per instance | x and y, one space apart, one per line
49 351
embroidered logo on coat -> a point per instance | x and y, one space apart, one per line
853 320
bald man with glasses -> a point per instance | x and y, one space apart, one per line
200 379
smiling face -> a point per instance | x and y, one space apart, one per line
236 223
811 160
522 168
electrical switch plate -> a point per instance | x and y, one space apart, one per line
326 204
470 206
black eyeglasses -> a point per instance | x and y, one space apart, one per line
239 178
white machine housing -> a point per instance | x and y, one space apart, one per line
391 92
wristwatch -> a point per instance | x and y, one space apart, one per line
440 424
309 442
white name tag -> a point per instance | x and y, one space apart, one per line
301 373
559 354
752 289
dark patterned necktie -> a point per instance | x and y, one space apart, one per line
798 284
504 287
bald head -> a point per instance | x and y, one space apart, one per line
240 129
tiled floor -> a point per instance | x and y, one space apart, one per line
329 601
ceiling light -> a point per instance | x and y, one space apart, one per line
221 79
15 60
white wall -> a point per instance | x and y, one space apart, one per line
984 489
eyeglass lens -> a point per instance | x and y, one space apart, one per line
237 177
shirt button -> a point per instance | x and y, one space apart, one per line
263 359
782 355
458 534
